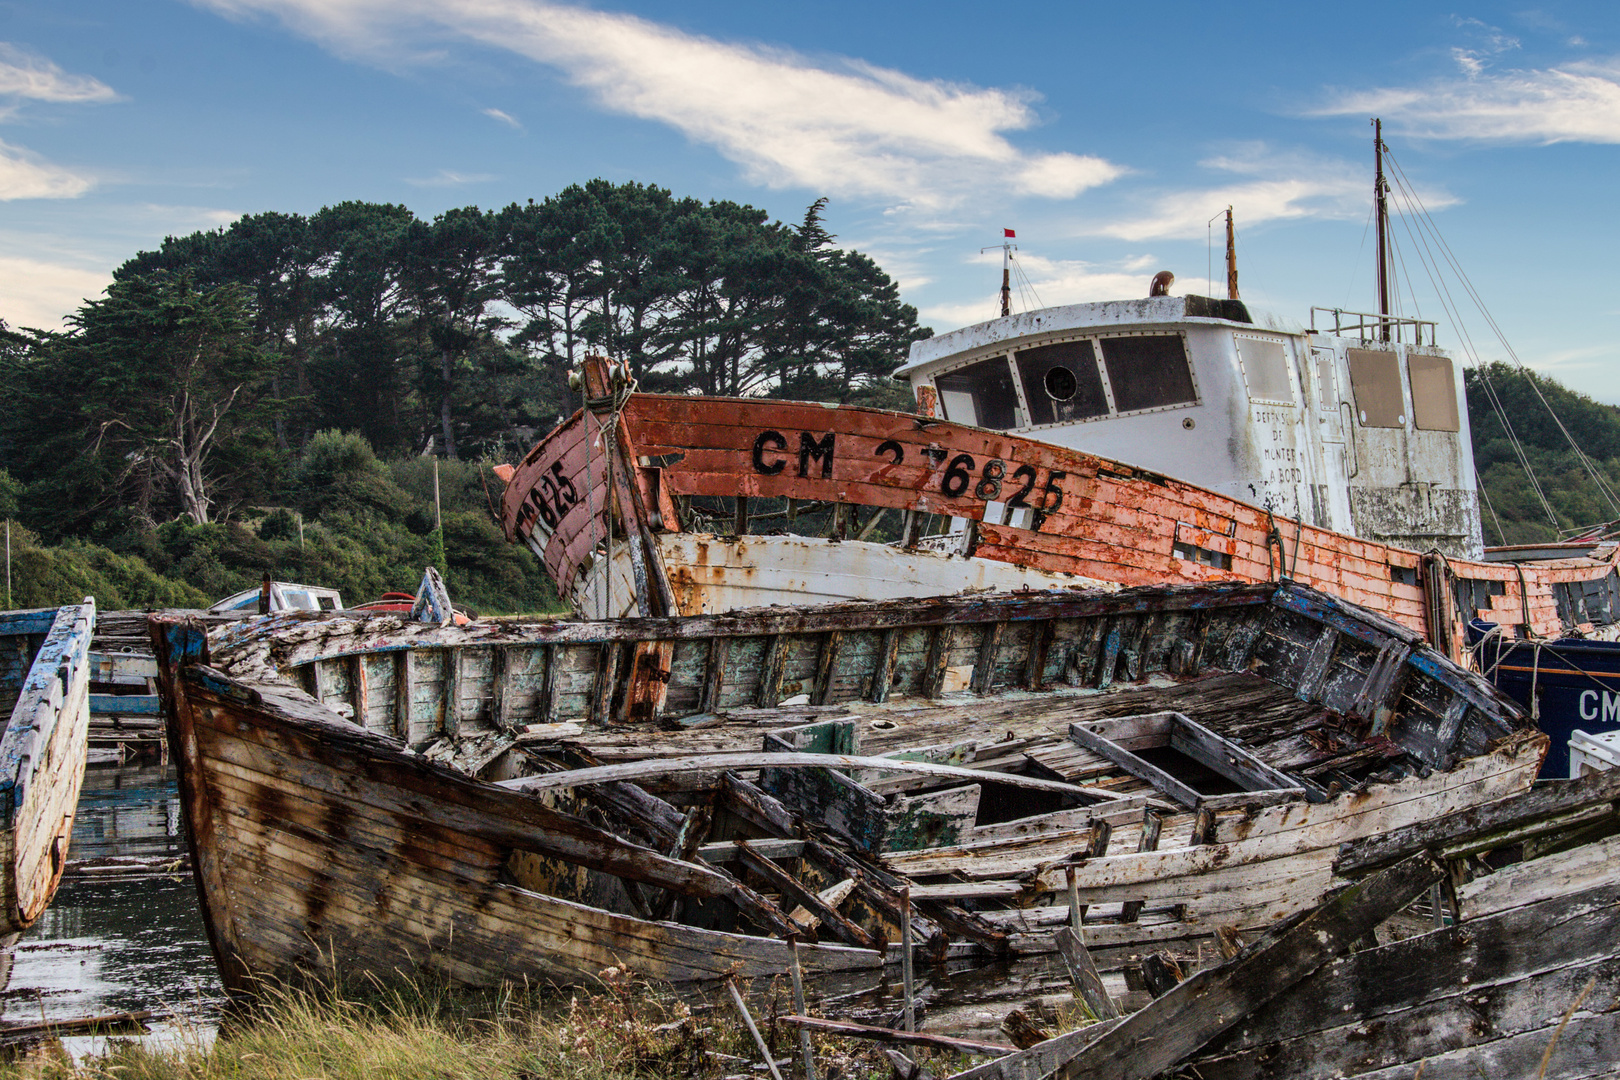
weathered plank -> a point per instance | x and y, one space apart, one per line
1177 1024
895 1038
1477 828
1083 973
702 763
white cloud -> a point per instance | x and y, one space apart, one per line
1577 102
504 117
449 178
25 176
1266 186
180 219
844 127
40 294
1057 282
25 75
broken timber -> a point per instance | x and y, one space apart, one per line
499 803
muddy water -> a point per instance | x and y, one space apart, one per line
120 946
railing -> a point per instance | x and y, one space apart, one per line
1370 327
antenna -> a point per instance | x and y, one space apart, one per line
1007 248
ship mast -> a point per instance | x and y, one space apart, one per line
1007 248
1231 258
1381 204
1006 279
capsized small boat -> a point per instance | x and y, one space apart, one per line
45 692
513 800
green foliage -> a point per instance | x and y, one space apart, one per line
339 472
48 576
300 364
10 495
1575 499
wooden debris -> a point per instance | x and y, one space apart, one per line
896 1038
753 1029
1544 809
1088 984
105 1024
630 841
1160 973
1228 941
807 1055
1184 1019
1023 1030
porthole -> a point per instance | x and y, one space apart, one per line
1061 384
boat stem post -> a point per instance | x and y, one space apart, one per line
748 1018
906 973
806 1051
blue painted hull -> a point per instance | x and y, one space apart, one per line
1576 682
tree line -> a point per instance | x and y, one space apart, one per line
191 394
1512 513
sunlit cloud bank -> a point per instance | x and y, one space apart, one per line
1264 186
26 75
839 126
25 176
39 294
449 178
1054 282
1575 102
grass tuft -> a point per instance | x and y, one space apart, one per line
623 1029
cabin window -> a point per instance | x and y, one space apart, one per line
1148 371
1434 392
1327 391
1265 369
1061 382
981 394
1375 379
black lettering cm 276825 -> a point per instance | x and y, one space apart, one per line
958 475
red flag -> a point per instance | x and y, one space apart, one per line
1009 232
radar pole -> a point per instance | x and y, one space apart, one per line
1007 248
1381 206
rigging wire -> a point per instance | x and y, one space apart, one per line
1478 484
1024 284
1453 312
1355 267
1600 482
1593 472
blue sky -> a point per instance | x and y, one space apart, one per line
1106 134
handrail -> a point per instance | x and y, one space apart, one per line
1376 324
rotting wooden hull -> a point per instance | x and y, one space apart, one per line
351 833
1081 515
1519 982
46 680
321 850
1522 984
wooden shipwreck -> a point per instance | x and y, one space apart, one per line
44 691
509 800
646 504
1518 978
